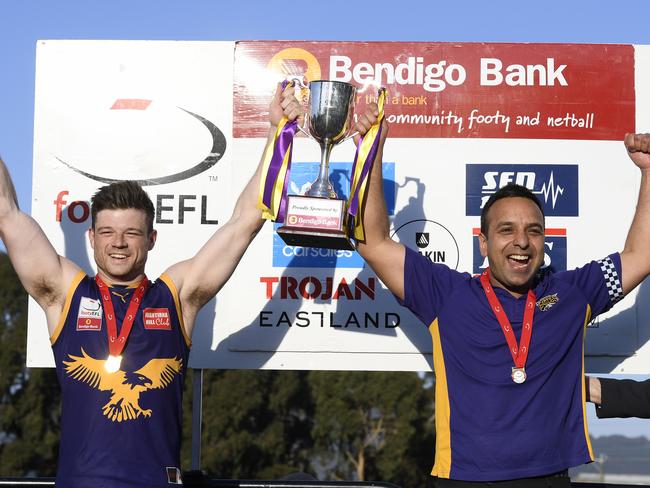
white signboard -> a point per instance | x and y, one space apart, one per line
173 114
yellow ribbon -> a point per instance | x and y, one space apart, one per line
359 180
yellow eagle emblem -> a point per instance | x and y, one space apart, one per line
547 302
125 387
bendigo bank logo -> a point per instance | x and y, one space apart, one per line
134 131
295 63
554 251
555 185
431 239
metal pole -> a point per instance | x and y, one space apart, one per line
197 417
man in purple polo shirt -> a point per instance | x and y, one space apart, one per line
508 345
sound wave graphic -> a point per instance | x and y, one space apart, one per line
550 189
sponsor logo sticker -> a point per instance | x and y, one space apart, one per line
89 316
156 319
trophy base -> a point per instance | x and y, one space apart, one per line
315 222
313 238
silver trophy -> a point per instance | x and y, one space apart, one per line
317 218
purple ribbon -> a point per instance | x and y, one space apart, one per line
283 200
279 150
370 158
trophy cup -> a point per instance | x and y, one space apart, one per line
317 219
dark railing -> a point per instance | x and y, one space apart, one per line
198 480
194 480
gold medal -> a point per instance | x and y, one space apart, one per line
112 364
518 375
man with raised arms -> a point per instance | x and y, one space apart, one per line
508 345
121 342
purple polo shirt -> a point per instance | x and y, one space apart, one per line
487 427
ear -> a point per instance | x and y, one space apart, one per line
482 243
152 238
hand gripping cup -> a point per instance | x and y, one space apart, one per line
317 218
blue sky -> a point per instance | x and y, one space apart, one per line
23 22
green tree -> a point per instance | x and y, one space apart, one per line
29 398
373 425
256 424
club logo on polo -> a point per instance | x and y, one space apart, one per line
547 302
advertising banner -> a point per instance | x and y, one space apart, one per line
190 120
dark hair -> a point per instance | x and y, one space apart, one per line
122 195
511 190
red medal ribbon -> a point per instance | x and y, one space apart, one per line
519 354
116 344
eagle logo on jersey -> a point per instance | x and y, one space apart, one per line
125 386
547 302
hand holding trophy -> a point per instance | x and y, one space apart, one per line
320 218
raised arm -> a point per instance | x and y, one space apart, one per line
383 255
44 274
200 278
635 257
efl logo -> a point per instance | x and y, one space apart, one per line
555 185
301 178
156 319
431 239
554 251
294 63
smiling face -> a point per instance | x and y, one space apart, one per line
514 243
121 241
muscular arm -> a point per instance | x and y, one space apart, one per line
200 278
383 255
43 273
635 257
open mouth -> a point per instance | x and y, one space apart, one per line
518 260
119 257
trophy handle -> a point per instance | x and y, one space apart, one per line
298 80
355 133
301 129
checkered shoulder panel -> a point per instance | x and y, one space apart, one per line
612 280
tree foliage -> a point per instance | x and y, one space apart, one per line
373 426
29 399
256 424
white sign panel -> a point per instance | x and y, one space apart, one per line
465 119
